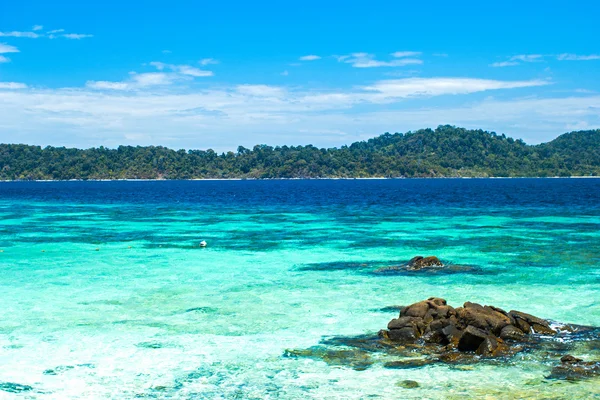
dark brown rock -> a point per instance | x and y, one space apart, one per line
471 339
541 329
420 262
404 334
474 306
486 319
569 359
530 319
398 323
416 310
510 332
408 384
523 325
452 334
437 301
409 364
574 369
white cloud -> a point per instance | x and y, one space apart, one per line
527 57
158 65
504 64
208 61
77 36
366 60
192 71
151 79
137 81
12 85
107 85
518 59
261 90
37 28
310 57
150 111
6 48
400 54
285 73
56 31
414 87
576 57
182 69
31 35
4 59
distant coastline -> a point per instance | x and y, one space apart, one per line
446 152
299 179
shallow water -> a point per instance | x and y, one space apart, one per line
105 293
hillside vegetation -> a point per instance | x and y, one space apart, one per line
444 152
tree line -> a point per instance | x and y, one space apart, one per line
447 151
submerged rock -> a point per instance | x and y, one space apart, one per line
408 384
420 262
572 369
11 387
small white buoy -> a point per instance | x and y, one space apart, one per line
202 243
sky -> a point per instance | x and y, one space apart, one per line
199 74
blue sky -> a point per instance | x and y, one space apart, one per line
193 74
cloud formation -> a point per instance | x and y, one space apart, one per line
182 69
12 85
36 33
366 60
208 61
152 109
518 59
7 48
310 57
576 57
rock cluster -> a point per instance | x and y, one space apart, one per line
572 368
420 262
486 330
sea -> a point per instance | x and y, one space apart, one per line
105 292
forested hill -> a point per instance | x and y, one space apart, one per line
444 152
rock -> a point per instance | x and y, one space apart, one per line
420 262
452 334
437 301
483 318
492 347
471 339
523 325
436 337
416 310
510 332
573 369
408 384
569 359
530 319
404 334
11 387
456 357
474 306
408 364
544 330
402 322
383 334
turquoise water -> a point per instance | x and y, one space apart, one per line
105 293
